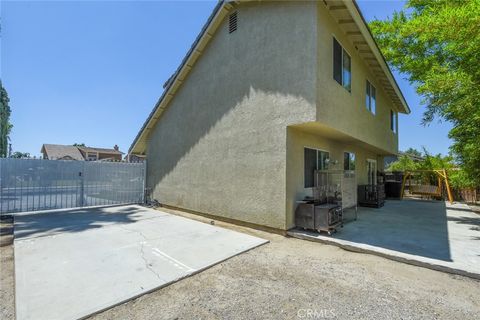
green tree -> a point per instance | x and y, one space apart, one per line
414 152
20 155
79 144
436 43
432 162
5 125
403 163
459 179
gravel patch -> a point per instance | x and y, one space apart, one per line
7 280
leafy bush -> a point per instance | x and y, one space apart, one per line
403 163
460 179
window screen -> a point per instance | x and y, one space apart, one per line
347 74
348 161
322 160
367 96
310 158
393 121
372 171
341 66
314 160
373 100
337 61
371 97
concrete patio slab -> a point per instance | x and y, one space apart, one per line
431 234
73 263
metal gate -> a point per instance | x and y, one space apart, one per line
37 184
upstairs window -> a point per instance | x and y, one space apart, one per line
371 98
348 161
313 160
393 121
92 156
341 66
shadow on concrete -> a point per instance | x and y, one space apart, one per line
410 226
465 209
474 222
74 220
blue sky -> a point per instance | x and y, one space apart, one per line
91 71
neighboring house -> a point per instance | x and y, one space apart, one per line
64 152
61 152
269 92
134 158
94 154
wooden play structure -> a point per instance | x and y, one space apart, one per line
424 183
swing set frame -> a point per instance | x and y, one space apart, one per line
442 177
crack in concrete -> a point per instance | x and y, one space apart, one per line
147 265
142 251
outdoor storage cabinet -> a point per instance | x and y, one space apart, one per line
371 195
320 217
327 217
304 215
333 193
393 184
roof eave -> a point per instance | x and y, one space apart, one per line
222 7
174 82
367 33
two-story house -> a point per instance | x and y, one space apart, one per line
269 92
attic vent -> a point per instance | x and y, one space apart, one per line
232 22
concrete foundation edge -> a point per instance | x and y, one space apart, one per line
351 246
227 220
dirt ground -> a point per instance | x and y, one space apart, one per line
7 296
294 279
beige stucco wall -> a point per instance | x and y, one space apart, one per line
220 147
297 140
225 145
343 110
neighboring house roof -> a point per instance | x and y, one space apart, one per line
346 13
393 158
64 152
61 152
100 150
411 156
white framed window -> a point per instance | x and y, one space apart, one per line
314 159
349 161
372 171
393 121
371 98
342 66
